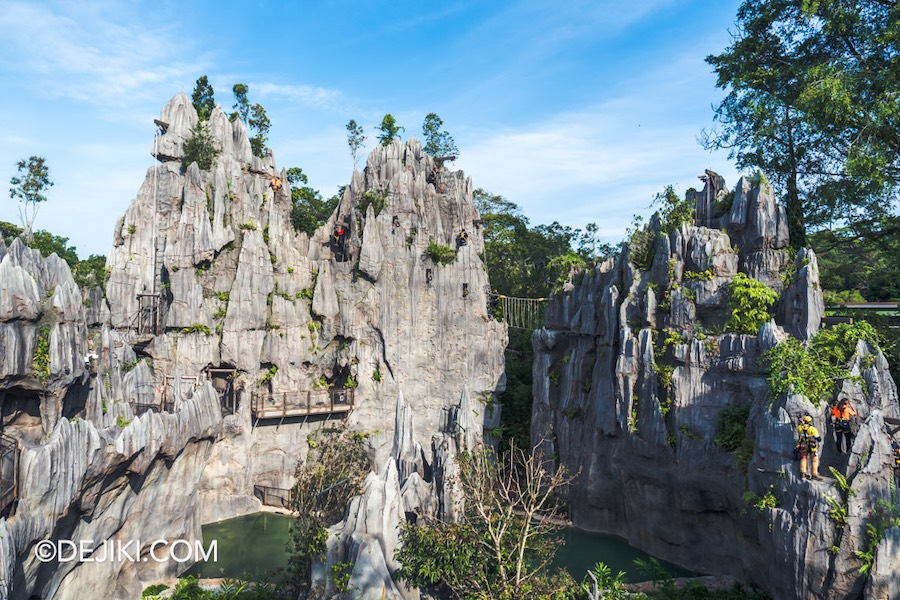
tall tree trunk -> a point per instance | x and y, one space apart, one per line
794 205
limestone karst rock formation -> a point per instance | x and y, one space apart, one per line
162 406
409 483
632 372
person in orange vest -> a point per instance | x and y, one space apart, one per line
808 444
895 446
840 418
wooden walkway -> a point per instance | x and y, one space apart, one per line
279 405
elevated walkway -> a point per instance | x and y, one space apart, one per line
520 313
302 403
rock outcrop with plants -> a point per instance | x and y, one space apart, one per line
675 377
224 339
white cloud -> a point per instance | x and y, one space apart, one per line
106 57
312 96
605 162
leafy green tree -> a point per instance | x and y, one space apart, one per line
259 123
29 187
811 101
389 130
674 211
203 98
437 143
241 104
309 210
199 148
355 140
90 272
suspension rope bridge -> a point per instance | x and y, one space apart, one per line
521 313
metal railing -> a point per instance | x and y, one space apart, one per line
274 405
9 471
273 496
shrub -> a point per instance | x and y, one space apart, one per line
698 275
154 590
199 148
268 375
372 197
731 434
674 211
813 370
749 301
440 254
642 242
40 360
197 328
761 503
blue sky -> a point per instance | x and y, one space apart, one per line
578 111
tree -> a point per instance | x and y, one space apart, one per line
332 473
437 143
355 140
203 98
811 101
309 210
90 272
241 104
389 130
505 542
259 123
254 117
28 187
200 148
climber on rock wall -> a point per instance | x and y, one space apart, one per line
840 418
808 443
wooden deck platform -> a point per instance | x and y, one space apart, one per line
279 405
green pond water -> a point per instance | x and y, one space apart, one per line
254 545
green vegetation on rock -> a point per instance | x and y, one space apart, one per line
749 302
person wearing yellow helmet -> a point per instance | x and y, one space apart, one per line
808 444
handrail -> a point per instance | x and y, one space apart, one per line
273 405
273 496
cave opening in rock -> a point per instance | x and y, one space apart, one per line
222 378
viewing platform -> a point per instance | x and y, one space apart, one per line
279 405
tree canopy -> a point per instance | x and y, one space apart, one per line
28 187
88 272
437 143
309 211
812 101
389 130
355 140
254 117
203 98
241 103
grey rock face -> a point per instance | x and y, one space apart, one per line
630 380
370 533
217 307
